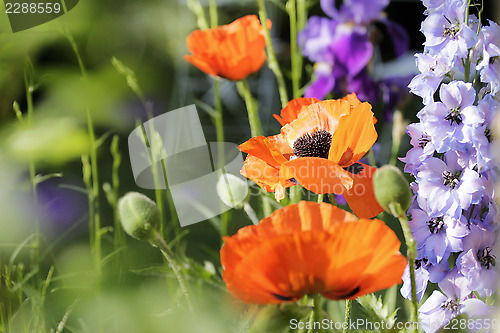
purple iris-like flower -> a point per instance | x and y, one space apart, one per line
343 48
433 68
323 83
424 272
477 261
447 188
437 237
423 147
446 120
455 299
363 85
447 33
357 11
316 38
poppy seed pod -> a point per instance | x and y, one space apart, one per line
139 215
391 187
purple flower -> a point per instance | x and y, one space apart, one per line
441 307
477 261
342 48
316 38
432 69
437 237
445 188
447 33
446 120
356 11
423 147
424 272
323 82
433 5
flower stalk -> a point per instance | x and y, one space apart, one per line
271 55
252 108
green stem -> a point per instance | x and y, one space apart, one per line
95 193
197 9
251 213
301 14
179 275
271 55
119 235
295 194
411 251
253 113
219 123
296 58
320 198
214 18
318 312
347 317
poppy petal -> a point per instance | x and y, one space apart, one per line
322 115
318 175
262 174
361 196
292 109
310 248
232 51
355 135
264 149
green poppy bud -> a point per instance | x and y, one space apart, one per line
139 215
392 189
232 190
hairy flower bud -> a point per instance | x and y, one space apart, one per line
391 187
139 215
232 190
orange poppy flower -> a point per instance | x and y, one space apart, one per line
319 147
310 248
232 51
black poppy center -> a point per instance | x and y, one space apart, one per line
451 305
486 259
450 179
316 144
435 225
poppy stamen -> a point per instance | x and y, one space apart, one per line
316 144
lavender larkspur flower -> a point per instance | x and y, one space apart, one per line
447 33
490 62
423 147
433 68
477 261
447 120
455 299
425 272
437 237
452 162
446 188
